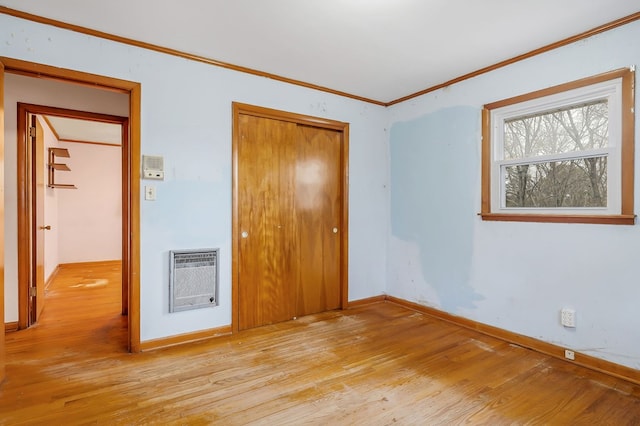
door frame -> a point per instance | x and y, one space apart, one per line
130 181
323 123
37 192
27 238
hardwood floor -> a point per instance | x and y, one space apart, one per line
379 364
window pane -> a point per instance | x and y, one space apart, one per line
572 183
576 128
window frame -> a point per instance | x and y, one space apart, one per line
620 203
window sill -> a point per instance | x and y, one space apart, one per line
622 219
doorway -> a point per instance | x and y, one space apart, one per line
290 216
65 127
130 176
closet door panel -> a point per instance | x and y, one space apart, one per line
317 215
265 208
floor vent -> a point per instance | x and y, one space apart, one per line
193 281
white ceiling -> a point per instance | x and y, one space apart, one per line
377 49
71 129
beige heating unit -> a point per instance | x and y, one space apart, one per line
193 279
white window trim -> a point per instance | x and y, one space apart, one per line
610 90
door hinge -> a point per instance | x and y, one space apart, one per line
32 132
33 292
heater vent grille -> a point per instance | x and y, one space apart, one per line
193 280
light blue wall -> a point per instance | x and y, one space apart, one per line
516 276
428 220
186 117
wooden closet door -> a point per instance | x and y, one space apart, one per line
265 219
317 215
289 204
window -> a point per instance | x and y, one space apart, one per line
563 154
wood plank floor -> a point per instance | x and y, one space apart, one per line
373 365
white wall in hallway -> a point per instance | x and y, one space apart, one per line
90 216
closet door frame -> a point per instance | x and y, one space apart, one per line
239 109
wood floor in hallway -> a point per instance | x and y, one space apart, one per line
379 364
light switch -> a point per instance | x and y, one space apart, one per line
149 193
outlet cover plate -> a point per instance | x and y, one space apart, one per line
568 317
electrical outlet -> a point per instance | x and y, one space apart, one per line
568 317
569 354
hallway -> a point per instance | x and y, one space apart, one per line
82 312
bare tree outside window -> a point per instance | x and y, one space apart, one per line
577 181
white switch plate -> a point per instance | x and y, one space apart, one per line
149 193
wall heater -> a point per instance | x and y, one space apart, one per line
193 279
